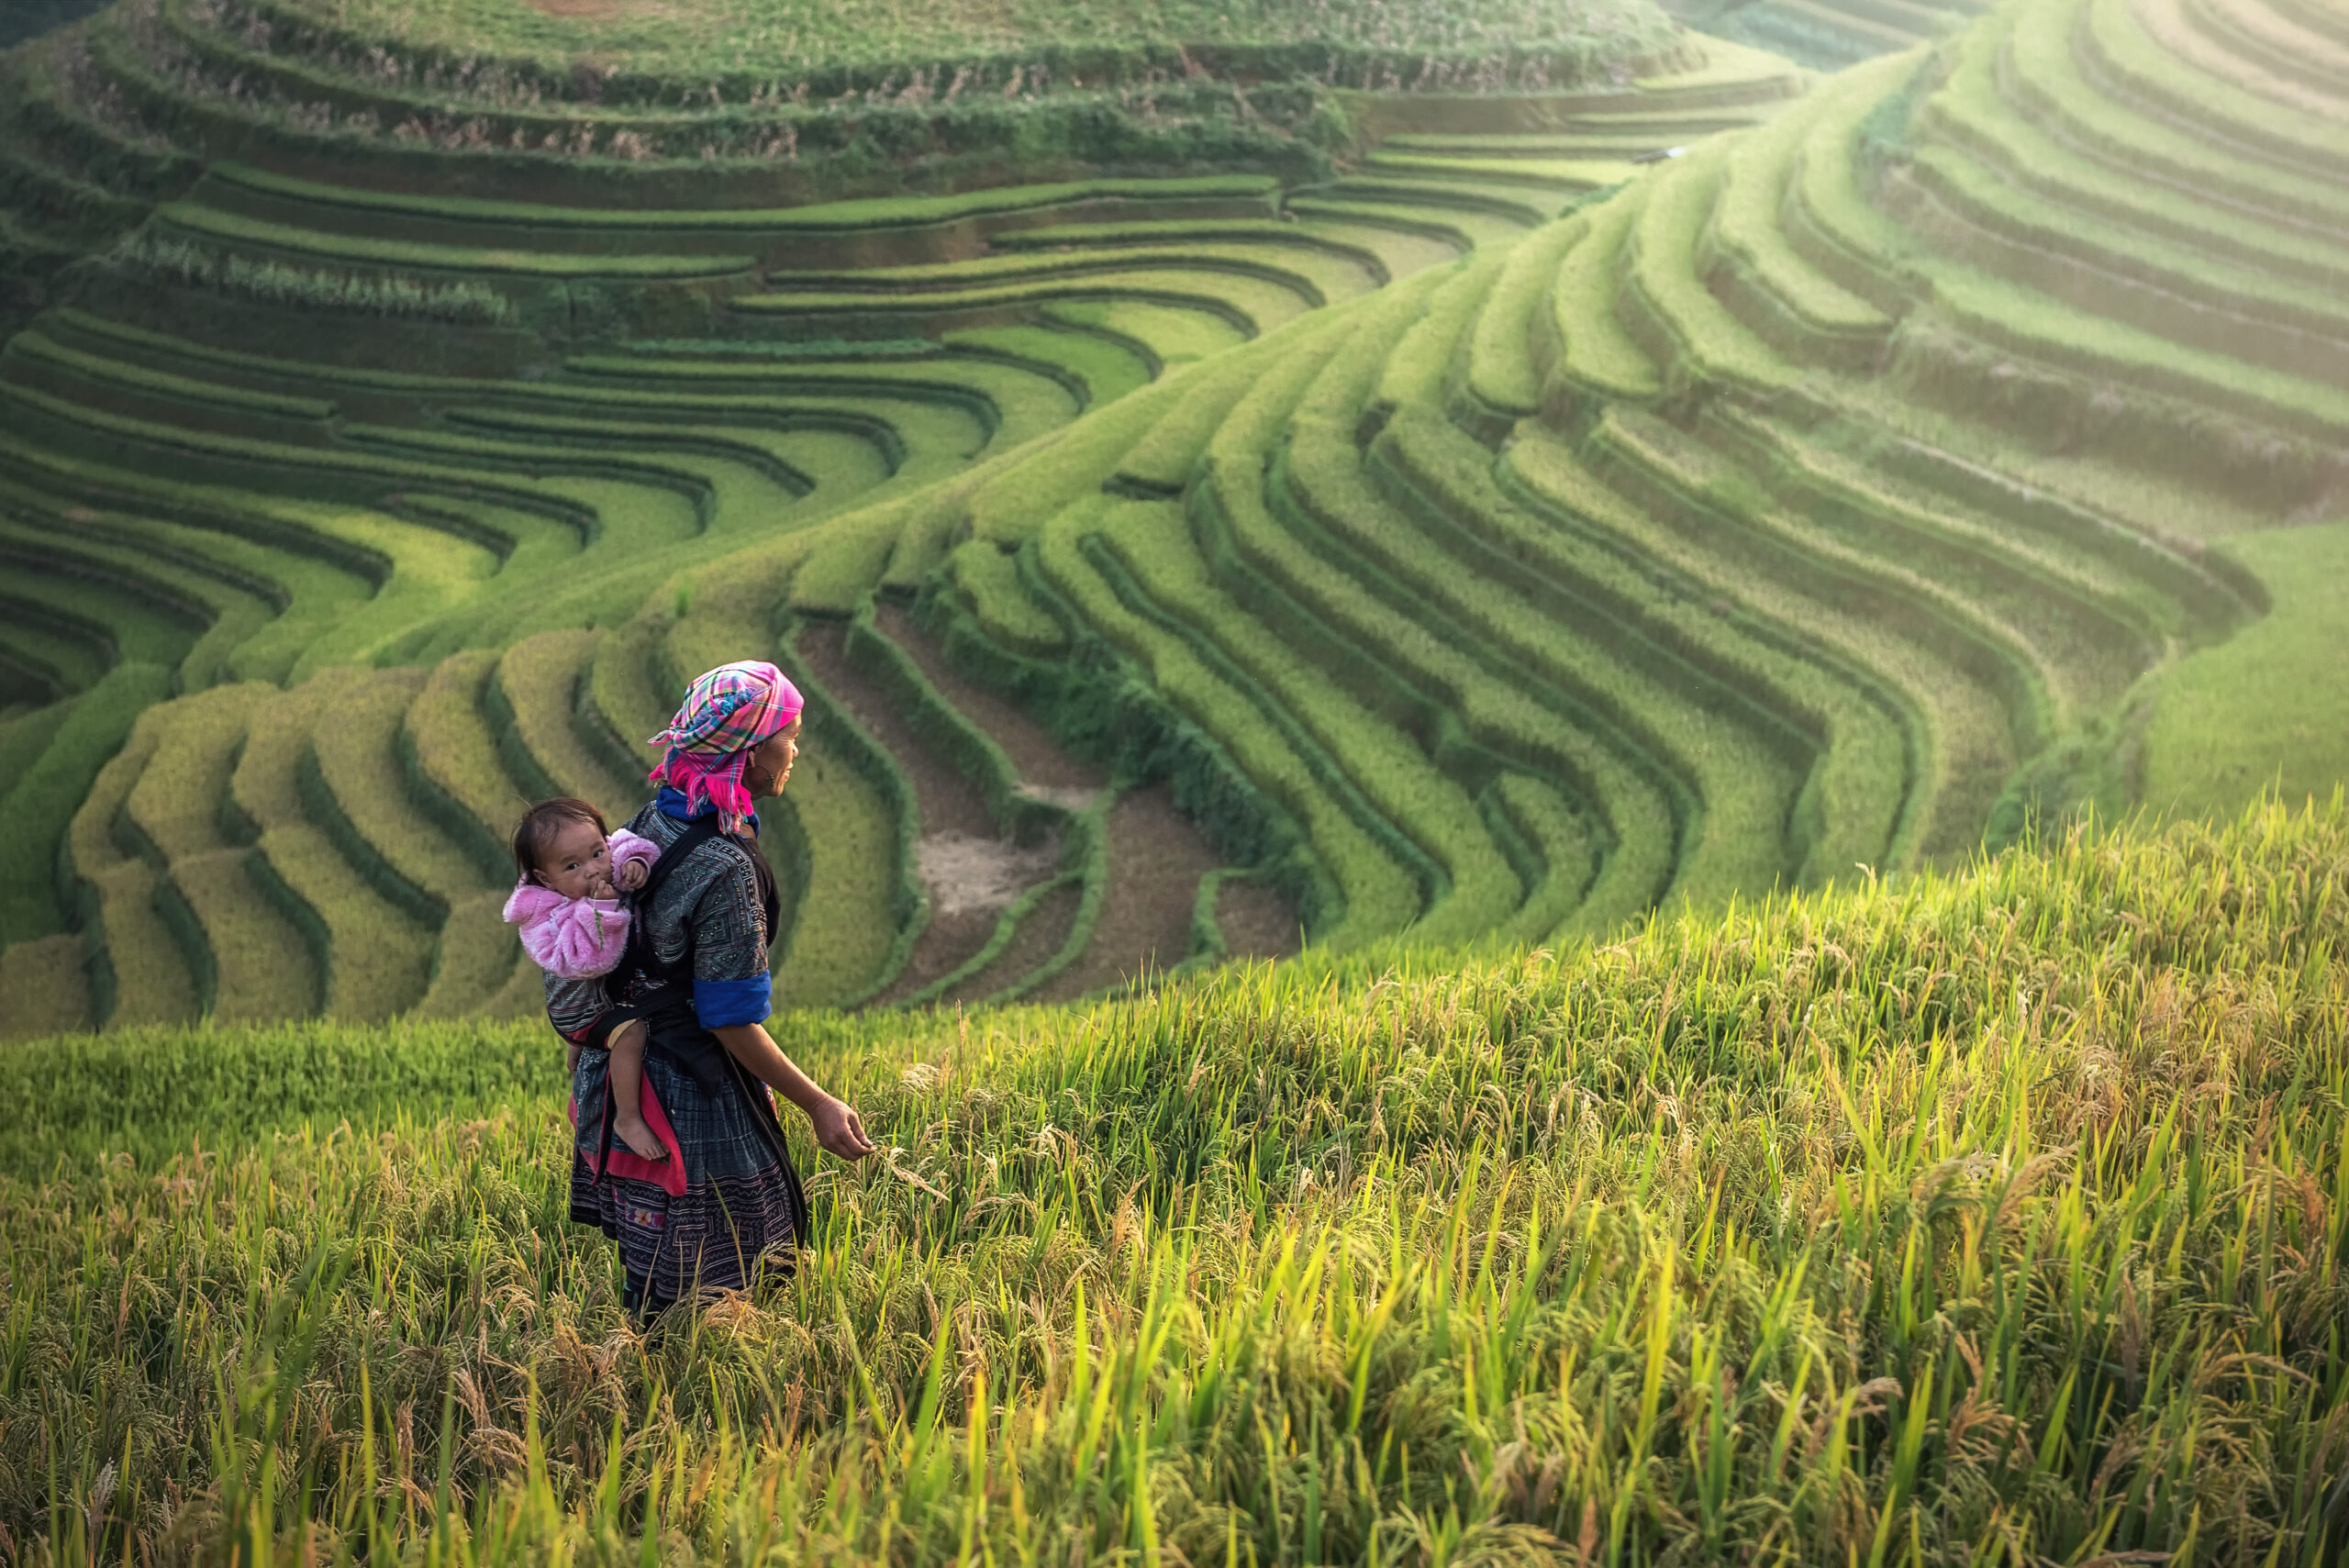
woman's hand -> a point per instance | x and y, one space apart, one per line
838 1129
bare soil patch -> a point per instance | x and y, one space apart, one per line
1044 767
1156 858
1041 935
1256 921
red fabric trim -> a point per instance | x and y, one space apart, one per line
668 1174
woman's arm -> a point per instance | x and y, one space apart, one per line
836 1125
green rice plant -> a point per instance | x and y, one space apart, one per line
844 941
1461 231
2092 641
1371 892
224 609
45 986
249 961
631 691
1250 302
2135 54
2036 326
847 562
2204 592
1502 371
2257 712
1271 233
1651 1220
972 753
910 212
144 381
44 797
137 972
355 788
376 960
2279 49
2044 79
1959 733
2118 270
1166 456
1971 109
1665 714
1512 205
1565 853
1427 363
987 582
1402 796
389 293
1565 176
451 760
1161 336
1315 275
1010 404
1665 303
1010 499
1596 356
105 616
1096 369
530 703
421 569
1828 217
1771 286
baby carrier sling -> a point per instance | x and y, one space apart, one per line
674 1031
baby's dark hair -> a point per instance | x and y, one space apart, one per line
539 826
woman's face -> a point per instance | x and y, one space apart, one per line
769 768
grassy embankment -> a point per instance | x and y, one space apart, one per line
1989 1219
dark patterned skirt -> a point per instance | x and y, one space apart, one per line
718 1220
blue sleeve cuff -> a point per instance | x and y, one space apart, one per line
718 1003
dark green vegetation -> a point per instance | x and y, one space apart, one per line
1992 1218
1418 512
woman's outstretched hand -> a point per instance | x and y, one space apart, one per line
840 1129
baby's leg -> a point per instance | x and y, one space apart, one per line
627 1077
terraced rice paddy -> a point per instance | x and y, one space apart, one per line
1574 535
1568 505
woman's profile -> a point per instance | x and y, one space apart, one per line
726 1202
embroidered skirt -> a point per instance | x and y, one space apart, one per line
714 1222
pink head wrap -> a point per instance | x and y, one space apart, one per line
725 713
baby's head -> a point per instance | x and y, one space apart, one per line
560 844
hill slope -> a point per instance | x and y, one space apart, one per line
2007 1206
1569 503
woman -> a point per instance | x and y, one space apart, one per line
725 1201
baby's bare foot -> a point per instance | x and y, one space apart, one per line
637 1135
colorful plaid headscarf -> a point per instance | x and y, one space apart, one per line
725 713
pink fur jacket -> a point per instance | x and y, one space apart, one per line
578 938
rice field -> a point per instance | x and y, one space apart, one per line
1987 1217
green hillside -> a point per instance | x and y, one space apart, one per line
1994 1218
1212 511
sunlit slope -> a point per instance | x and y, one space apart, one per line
426 505
1181 565
1819 502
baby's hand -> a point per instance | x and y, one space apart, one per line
630 875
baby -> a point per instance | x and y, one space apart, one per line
575 925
